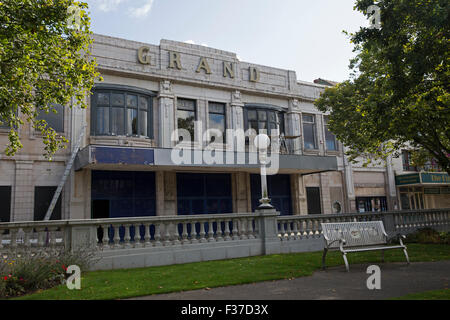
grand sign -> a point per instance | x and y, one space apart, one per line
203 65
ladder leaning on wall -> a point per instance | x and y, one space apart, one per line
65 175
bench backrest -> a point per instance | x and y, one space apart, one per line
355 234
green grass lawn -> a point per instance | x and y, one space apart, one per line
443 294
126 283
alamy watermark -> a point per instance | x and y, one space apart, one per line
374 280
375 17
74 19
74 280
215 147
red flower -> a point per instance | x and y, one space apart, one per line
64 267
5 278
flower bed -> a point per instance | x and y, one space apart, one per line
23 273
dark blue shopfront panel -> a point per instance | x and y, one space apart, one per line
201 193
114 155
123 194
279 187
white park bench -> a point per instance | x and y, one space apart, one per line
349 237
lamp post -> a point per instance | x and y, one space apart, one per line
262 143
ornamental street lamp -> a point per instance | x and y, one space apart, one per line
262 143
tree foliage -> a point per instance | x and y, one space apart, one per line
44 59
398 92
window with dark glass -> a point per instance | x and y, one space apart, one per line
42 198
54 117
186 115
330 138
118 113
264 120
407 161
217 120
309 131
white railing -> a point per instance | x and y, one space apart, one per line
206 237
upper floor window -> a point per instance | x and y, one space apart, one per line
217 120
54 120
264 120
119 112
330 138
407 161
186 115
309 131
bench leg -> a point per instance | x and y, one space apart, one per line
325 250
406 254
344 255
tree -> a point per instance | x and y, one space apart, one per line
44 60
397 94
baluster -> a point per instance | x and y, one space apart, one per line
295 235
117 236
202 232
147 235
1 238
185 233
250 232
158 234
166 234
282 230
211 231
256 228
26 240
127 237
176 235
242 232
219 230
227 230
13 243
41 237
289 230
193 232
234 231
105 238
52 235
137 235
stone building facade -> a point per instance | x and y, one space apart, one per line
125 165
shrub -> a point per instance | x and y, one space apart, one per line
428 235
23 273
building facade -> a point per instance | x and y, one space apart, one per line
158 102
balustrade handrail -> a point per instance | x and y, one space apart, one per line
356 214
201 217
131 220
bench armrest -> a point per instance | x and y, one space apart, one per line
400 238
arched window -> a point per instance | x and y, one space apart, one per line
122 111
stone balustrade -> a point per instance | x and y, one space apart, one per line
163 240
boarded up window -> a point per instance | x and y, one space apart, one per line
42 198
5 200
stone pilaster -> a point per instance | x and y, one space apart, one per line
166 114
23 192
166 202
391 188
293 127
348 174
325 192
237 111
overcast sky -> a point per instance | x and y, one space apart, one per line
301 35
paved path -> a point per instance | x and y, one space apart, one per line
397 279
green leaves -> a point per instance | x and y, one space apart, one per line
399 94
42 60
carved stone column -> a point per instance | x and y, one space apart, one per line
166 114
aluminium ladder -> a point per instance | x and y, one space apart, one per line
65 175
